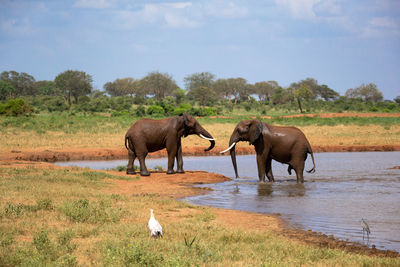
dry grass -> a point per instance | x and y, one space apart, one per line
48 236
317 135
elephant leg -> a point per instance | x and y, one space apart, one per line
268 170
172 153
299 168
131 167
141 153
179 159
261 167
143 168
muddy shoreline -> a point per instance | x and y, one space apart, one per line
181 185
121 153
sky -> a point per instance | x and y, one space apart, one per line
340 43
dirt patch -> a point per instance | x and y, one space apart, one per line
395 168
172 185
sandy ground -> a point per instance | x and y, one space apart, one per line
181 185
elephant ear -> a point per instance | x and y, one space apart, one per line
255 131
185 120
186 125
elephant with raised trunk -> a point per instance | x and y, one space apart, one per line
148 135
284 144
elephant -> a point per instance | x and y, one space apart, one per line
149 135
284 144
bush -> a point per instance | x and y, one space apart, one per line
120 103
183 108
202 112
155 110
55 104
140 111
16 107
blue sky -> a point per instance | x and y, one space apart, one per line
339 43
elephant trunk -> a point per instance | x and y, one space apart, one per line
207 136
232 142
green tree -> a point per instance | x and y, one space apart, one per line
120 87
203 94
303 93
397 99
311 83
240 88
157 84
222 89
367 92
264 90
196 80
179 95
327 93
282 96
47 88
74 84
6 90
23 83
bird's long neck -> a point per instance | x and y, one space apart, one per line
151 214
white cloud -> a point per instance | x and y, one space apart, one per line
383 22
17 26
99 4
379 27
180 14
173 15
179 5
176 21
300 9
224 9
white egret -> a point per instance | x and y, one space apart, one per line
154 226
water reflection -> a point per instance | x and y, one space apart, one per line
236 189
264 189
295 190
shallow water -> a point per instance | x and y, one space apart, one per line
345 188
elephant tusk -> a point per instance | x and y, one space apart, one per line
229 148
209 139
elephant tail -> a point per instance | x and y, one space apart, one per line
312 157
128 142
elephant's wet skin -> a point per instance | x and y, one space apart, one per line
148 135
284 144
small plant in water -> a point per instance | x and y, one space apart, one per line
158 168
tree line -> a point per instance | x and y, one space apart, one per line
204 88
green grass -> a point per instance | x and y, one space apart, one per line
306 121
69 217
71 124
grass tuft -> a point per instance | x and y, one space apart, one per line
82 210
